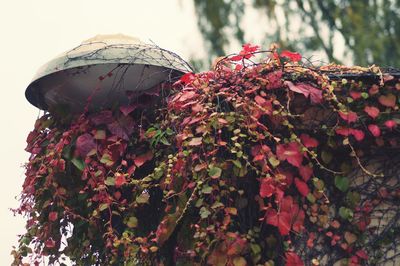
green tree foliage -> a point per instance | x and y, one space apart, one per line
369 29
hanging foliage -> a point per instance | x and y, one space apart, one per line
268 163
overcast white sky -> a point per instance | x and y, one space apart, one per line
32 33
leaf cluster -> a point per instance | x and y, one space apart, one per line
265 163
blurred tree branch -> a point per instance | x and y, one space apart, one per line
369 29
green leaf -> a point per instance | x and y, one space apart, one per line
239 261
66 153
326 157
217 205
214 172
199 203
311 198
273 161
256 249
345 213
158 173
204 212
318 183
132 222
79 163
342 183
353 198
110 181
206 190
143 198
364 95
237 163
106 159
103 206
164 141
169 131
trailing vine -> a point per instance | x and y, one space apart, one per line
252 163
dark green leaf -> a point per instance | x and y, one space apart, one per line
79 163
342 183
214 172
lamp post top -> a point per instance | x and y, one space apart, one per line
110 64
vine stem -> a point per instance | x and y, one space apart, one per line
188 204
360 164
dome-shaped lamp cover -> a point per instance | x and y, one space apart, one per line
110 65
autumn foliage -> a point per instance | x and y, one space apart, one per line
262 163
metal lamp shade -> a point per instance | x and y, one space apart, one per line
104 68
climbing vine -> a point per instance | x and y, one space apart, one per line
261 161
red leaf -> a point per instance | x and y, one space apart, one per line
131 169
264 104
249 49
308 141
288 176
280 220
284 223
362 254
390 124
374 129
271 217
122 128
287 205
259 157
236 58
197 108
305 172
53 216
238 245
260 100
104 117
119 180
355 95
298 223
187 95
117 195
372 111
354 261
50 243
195 141
127 109
141 159
266 187
297 89
188 78
358 134
344 131
373 90
307 90
301 187
348 116
290 152
292 259
387 100
315 95
165 229
310 241
275 80
84 144
238 67
246 53
293 56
